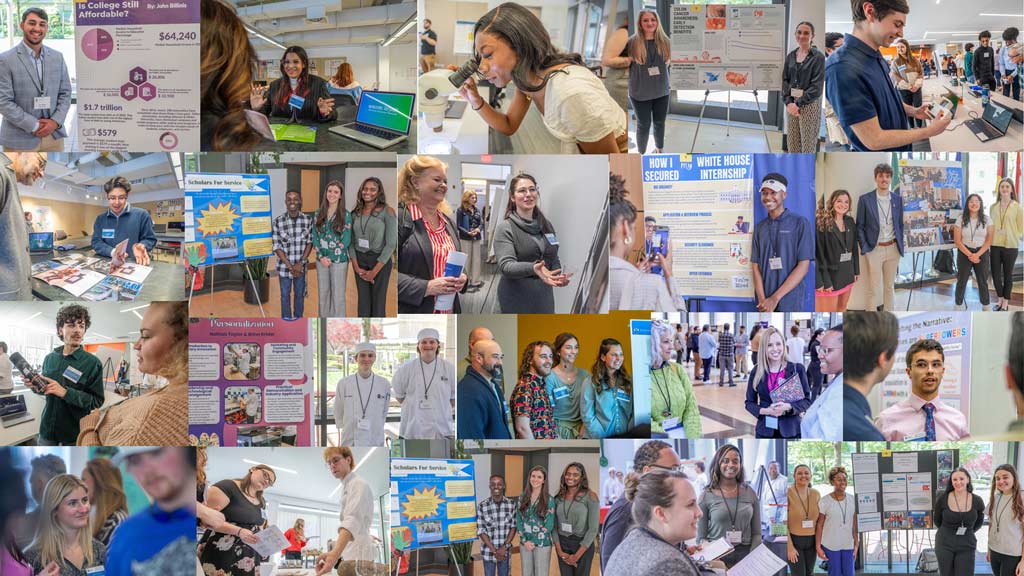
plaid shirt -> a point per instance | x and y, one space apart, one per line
292 236
726 344
495 519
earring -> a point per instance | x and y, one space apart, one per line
628 240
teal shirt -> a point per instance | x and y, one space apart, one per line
534 529
380 230
59 421
607 413
565 398
329 244
583 512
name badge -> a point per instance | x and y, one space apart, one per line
919 437
41 103
363 424
771 422
961 531
73 374
734 536
653 71
108 233
560 392
96 571
775 263
552 239
796 92
566 527
622 396
673 428
807 524
669 423
296 101
984 55
425 405
1000 237
364 243
846 256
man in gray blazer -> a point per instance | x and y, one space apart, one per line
16 168
35 90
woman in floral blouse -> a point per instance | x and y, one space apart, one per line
535 521
332 234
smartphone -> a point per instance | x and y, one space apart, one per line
659 245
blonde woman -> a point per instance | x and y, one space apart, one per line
471 233
159 417
63 535
837 253
650 51
296 536
776 419
1008 222
426 236
106 489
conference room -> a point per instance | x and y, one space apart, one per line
353 69
106 227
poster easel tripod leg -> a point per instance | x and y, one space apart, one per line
760 116
728 115
255 292
699 120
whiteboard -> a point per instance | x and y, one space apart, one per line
464 36
725 47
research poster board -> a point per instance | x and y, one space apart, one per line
897 490
933 192
250 382
726 47
707 203
433 502
227 218
463 37
953 331
640 344
138 75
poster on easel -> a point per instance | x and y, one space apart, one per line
933 192
707 203
227 218
727 47
897 490
250 382
433 502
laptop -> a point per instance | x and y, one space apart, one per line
383 119
994 122
14 411
40 242
160 228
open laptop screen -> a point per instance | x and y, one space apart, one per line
998 116
40 241
388 110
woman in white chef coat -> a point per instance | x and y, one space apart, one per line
361 401
426 387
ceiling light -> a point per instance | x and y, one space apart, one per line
1002 15
132 309
409 23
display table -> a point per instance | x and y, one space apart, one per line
165 282
26 431
327 141
959 138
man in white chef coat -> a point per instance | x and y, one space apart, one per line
426 388
361 401
354 541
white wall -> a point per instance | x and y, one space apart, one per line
354 178
559 460
992 407
390 66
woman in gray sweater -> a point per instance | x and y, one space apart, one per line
665 512
526 248
730 507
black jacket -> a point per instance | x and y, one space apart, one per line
415 263
758 397
309 111
984 65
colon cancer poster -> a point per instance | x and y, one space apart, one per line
933 192
138 75
953 331
228 218
250 382
433 502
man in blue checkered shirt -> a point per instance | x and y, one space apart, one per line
496 526
292 245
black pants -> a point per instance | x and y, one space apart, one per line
963 273
707 367
912 99
815 376
570 544
1003 260
646 110
372 297
806 555
753 359
1003 565
290 555
739 552
955 562
1013 86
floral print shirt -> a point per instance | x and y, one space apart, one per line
530 399
534 529
329 244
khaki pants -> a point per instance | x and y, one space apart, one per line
741 362
48 144
427 62
882 265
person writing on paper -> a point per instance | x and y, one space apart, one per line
631 287
123 221
361 401
63 535
242 503
869 350
973 234
425 387
1008 221
836 528
803 513
666 514
565 385
532 414
730 507
781 252
606 406
426 237
674 410
959 513
777 418
296 536
1006 523
354 540
296 94
923 417
512 46
535 522
526 250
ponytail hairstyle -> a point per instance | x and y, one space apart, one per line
653 488
619 207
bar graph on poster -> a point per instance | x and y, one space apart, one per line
725 47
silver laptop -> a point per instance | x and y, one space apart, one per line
383 119
14 411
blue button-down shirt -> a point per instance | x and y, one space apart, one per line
858 87
857 421
789 237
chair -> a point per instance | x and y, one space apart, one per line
353 94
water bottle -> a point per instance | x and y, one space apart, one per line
984 96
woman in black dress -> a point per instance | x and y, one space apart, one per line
958 513
241 501
837 254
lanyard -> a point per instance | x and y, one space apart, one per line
423 373
364 220
774 377
773 233
999 511
1002 215
973 230
732 515
841 236
961 510
806 505
369 395
565 513
665 393
842 508
886 216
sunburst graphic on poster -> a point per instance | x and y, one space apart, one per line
219 219
422 504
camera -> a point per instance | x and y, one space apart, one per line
469 68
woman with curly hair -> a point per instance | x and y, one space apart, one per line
837 253
577 513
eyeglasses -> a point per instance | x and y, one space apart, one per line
268 478
117 198
42 160
334 461
532 191
678 468
825 350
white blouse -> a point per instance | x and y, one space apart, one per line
578 108
973 234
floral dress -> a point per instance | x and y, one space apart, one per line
228 552
530 399
533 528
329 244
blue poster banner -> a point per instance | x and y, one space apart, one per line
227 218
433 502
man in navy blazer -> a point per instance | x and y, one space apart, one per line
869 351
880 234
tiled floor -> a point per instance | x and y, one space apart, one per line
713 138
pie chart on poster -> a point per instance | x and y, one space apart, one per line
97 44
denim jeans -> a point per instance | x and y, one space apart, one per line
502 568
287 286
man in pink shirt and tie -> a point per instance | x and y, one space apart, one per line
923 417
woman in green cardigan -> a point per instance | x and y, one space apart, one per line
674 408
